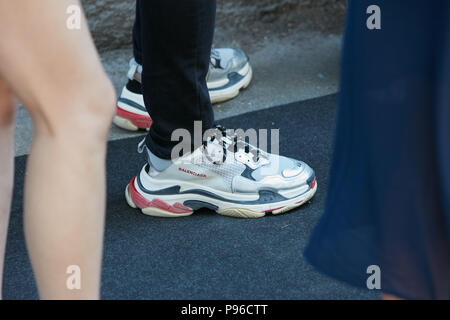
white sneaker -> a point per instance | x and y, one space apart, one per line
249 183
229 72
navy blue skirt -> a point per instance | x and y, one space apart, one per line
388 202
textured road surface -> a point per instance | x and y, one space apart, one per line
206 256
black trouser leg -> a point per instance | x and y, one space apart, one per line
137 51
176 39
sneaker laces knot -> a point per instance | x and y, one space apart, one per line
232 143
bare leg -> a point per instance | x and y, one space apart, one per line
7 112
57 74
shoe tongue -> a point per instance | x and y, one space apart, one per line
216 63
216 59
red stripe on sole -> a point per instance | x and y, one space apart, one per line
140 121
313 184
142 203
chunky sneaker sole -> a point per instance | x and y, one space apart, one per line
131 113
172 203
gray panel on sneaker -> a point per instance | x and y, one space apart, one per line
225 61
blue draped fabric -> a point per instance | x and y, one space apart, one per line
388 201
